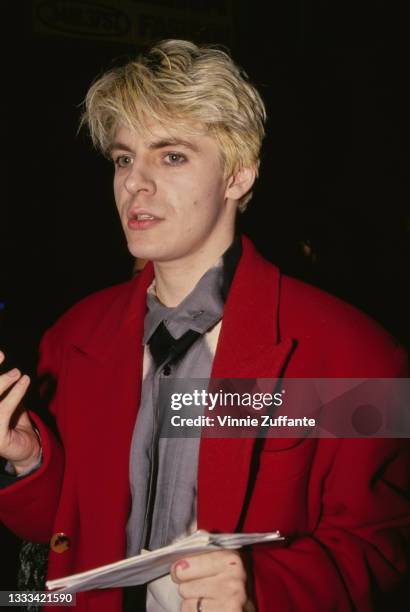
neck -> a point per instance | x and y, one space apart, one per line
175 280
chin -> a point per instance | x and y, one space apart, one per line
140 251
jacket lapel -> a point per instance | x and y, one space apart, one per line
122 320
249 346
109 359
105 374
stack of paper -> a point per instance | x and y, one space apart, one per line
151 565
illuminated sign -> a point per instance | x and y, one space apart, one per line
132 22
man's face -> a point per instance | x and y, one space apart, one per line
171 194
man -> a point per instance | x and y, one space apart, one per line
184 127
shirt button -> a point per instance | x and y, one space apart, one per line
167 370
60 542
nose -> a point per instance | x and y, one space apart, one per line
139 178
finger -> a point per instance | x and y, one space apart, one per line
199 588
207 564
221 588
208 605
14 397
8 379
2 356
191 605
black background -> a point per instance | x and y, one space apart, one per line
334 176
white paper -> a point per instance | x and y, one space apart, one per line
151 565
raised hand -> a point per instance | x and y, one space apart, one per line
19 443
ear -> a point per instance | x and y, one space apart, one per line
240 182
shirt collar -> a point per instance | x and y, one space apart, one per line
202 308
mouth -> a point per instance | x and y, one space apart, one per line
142 221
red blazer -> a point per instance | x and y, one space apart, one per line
340 502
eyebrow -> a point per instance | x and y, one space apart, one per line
158 144
121 146
171 142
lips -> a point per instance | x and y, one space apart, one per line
142 219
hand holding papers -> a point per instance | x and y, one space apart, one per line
151 565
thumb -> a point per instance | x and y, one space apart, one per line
23 420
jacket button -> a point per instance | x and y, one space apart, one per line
60 542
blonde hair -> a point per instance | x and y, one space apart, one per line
178 83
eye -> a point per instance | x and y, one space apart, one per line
123 161
175 159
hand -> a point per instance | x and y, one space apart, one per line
217 579
19 443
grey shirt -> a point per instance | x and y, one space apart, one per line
174 510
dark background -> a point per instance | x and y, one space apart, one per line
332 203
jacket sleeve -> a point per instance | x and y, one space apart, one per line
358 556
28 506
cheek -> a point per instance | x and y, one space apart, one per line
118 196
116 192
